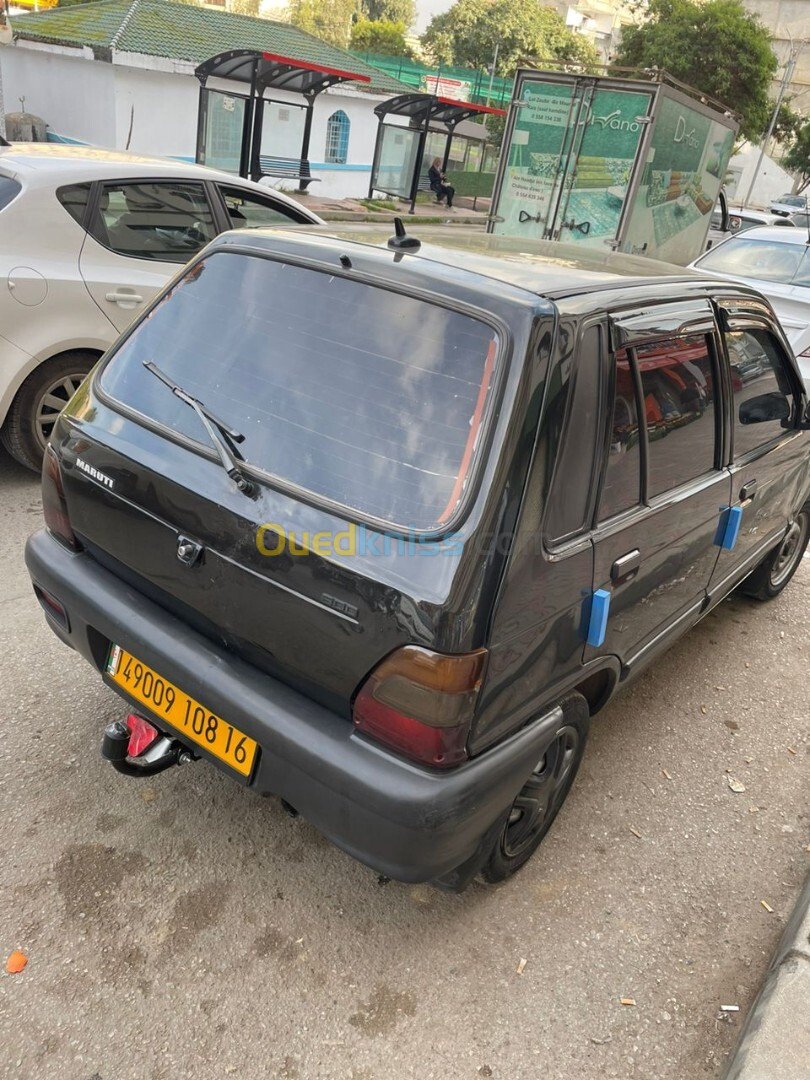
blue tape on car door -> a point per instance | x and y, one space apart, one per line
597 624
728 528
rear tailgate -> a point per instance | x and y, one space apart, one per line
362 411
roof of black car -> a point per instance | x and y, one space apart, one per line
544 268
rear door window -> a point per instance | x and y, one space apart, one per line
622 486
364 397
678 387
164 221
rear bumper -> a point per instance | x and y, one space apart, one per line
410 823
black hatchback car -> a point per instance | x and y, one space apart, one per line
378 529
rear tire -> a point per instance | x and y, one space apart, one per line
539 800
777 568
39 401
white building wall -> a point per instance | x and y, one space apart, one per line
162 109
131 105
772 180
74 95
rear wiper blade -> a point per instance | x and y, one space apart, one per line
220 434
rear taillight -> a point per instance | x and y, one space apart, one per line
54 506
420 703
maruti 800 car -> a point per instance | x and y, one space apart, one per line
377 528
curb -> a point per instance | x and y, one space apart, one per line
775 1041
389 215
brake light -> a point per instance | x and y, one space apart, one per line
54 507
421 703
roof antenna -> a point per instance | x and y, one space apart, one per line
401 241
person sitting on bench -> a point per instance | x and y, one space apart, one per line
438 183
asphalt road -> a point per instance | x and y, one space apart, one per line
181 927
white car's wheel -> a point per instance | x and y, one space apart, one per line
39 401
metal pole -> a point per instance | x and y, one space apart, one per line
6 38
492 71
789 68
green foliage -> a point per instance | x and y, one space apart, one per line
797 159
395 11
788 122
330 20
716 46
466 35
379 36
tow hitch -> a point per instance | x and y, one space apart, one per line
137 748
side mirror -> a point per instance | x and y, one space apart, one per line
764 407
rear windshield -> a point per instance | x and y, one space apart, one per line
767 260
8 190
359 395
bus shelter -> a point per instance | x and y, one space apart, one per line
240 131
399 168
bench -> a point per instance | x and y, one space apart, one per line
288 169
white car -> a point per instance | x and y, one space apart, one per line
788 204
87 237
776 262
740 220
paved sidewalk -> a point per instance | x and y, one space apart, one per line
461 213
775 1042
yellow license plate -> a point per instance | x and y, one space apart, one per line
173 706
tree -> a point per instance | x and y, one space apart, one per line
330 20
797 159
467 33
788 122
379 36
395 11
716 47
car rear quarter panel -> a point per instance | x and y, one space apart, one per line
38 233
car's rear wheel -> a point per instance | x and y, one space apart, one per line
539 800
39 401
776 570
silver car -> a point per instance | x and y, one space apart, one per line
776 261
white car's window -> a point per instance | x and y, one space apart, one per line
249 211
166 221
74 198
765 259
8 190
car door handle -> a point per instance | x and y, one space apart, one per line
625 566
748 490
124 298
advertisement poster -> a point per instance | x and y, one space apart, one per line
682 178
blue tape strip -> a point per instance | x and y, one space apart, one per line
597 625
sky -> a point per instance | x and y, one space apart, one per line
426 9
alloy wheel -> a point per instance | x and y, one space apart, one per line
51 402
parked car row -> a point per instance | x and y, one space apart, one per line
87 238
